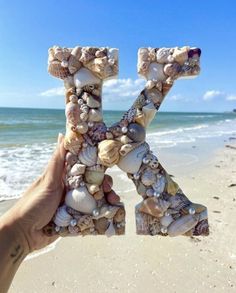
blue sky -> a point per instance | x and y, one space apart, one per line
29 28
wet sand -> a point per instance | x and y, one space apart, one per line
133 263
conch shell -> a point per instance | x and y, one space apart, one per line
108 152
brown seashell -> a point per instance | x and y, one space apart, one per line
140 119
150 206
72 113
107 183
85 222
202 228
98 195
171 187
55 69
165 88
120 230
73 64
112 197
154 95
108 152
72 142
120 215
69 92
101 225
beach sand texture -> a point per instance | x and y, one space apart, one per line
149 264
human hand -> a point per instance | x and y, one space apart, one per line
39 203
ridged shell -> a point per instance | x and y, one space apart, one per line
95 115
150 206
62 218
72 142
85 77
143 61
148 177
182 225
72 113
149 112
156 72
136 132
80 200
55 69
77 169
85 222
88 156
159 185
133 160
108 152
95 174
61 53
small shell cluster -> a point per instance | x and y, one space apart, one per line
91 206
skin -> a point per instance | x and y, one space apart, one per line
21 228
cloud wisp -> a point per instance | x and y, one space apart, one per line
212 94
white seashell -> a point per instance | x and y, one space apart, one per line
163 55
183 225
77 169
85 77
91 102
149 112
95 115
159 185
133 160
110 230
112 53
156 72
62 218
82 127
166 220
80 200
148 177
95 174
88 156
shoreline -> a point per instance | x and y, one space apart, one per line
136 263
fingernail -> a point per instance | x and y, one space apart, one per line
59 138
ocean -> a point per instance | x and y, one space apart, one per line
28 138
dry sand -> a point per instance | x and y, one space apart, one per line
149 264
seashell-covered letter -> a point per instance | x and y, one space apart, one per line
91 207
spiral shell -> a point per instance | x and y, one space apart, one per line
88 156
202 228
62 218
108 152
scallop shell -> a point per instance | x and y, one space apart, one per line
61 53
133 160
149 112
55 69
202 228
72 142
148 177
150 206
136 132
77 169
95 174
62 218
95 115
172 187
108 152
88 156
163 55
85 77
72 113
159 185
181 54
156 72
80 200
73 64
182 225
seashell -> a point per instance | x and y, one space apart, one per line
88 156
112 53
55 69
203 215
77 169
162 55
179 201
102 67
62 218
165 88
182 225
181 54
71 159
85 56
95 174
97 133
140 101
136 132
82 127
69 82
202 228
197 207
84 108
154 95
61 53
154 163
149 112
148 177
92 188
172 69
91 102
74 182
73 142
159 185
80 200
108 152
110 230
73 230
101 225
107 183
72 113
125 149
120 215
156 72
73 64
98 195
166 220
154 227
143 61
152 54
95 115
171 187
133 160
77 52
85 77
85 222
141 188
112 198
83 117
124 139
151 206
108 211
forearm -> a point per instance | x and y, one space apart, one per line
13 250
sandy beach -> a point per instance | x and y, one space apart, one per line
133 263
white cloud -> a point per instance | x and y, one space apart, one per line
231 98
113 89
176 97
210 95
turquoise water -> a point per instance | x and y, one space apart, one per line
28 137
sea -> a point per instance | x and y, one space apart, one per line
28 138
